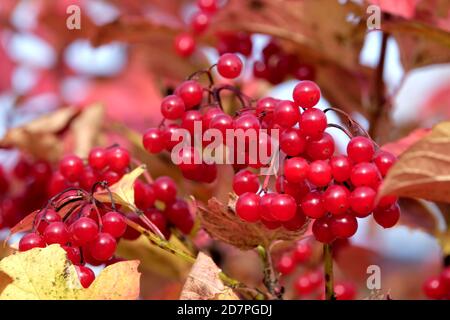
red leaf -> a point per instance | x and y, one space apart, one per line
401 145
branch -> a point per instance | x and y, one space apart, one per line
271 280
328 266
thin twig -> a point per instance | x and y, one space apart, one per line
271 280
328 266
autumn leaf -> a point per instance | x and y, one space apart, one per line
401 145
423 171
223 224
203 282
46 274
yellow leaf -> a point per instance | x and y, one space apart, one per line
46 274
122 191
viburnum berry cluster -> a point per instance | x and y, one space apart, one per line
438 287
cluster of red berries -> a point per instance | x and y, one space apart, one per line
276 65
438 287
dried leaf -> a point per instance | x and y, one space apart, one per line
423 171
203 282
401 145
46 274
444 241
221 223
416 215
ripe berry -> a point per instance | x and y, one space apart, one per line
313 123
97 158
265 207
283 207
247 121
144 195
111 177
260 70
71 167
320 149
336 199
271 225
344 291
322 230
292 142
179 214
189 120
114 224
209 6
340 168
302 252
434 288
245 181
445 277
85 275
88 178
172 107
387 218
56 232
83 231
165 189
344 226
184 44
312 205
46 217
387 201
73 254
319 173
188 159
191 92
286 264
265 107
247 207
286 114
362 201
297 190
303 285
199 22
384 161
296 222
306 94
131 233
102 248
171 135
118 159
296 169
360 149
31 241
304 72
209 115
229 66
365 174
222 123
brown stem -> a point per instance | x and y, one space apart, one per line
270 280
328 268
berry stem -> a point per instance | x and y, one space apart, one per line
270 280
328 266
333 125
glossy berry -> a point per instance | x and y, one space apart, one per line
296 169
283 207
322 230
209 6
387 218
229 66
435 288
118 159
56 232
86 276
114 224
245 181
144 195
184 44
313 123
360 149
344 291
102 248
83 231
365 174
303 285
165 189
172 107
179 214
344 226
387 201
73 254
265 206
153 140
222 122
297 222
97 158
319 173
190 119
362 201
306 94
191 93
247 121
71 167
286 114
312 205
247 207
46 217
31 241
292 142
384 161
320 149
336 199
286 264
341 168
445 277
302 252
200 22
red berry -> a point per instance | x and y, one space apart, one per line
209 6
144 195
229 66
286 114
222 122
445 277
85 275
304 72
265 207
209 115
111 177
313 123
292 142
320 149
286 264
179 214
283 207
306 94
362 201
118 159
190 119
88 178
360 149
271 225
45 217
297 190
319 173
384 161
165 189
387 201
102 248
114 224
312 205
260 70
247 121
191 92
172 135
296 222
83 231
434 288
322 230
245 181
200 22
97 158
71 167
296 169
172 107
365 174
184 44
130 232
387 218
344 291
336 199
303 285
31 241
56 232
302 252
73 254
247 207
340 168
265 107
344 226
